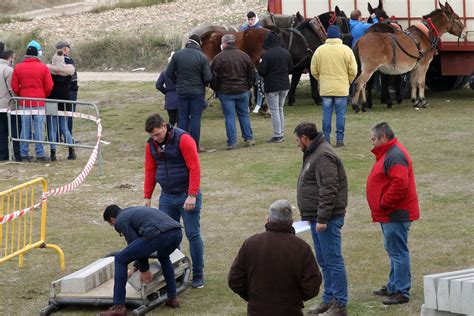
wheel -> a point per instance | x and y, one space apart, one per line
437 82
471 82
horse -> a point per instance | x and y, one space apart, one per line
388 26
282 21
401 52
314 30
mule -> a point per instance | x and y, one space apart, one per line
282 21
401 52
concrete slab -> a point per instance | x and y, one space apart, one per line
87 278
455 294
430 286
301 227
426 311
443 291
467 298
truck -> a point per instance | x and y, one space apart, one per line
451 68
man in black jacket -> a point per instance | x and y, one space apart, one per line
322 199
274 67
146 230
233 75
191 71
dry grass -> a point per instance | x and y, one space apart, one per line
239 185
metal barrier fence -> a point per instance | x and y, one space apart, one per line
22 227
64 123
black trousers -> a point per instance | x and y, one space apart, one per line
16 129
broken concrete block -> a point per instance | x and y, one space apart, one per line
467 297
455 293
88 278
443 291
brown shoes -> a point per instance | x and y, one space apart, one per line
115 310
172 303
336 310
382 291
396 298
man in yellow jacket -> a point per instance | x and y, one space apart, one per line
335 67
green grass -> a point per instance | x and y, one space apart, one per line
238 187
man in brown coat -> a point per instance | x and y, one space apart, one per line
275 271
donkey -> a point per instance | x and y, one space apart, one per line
401 52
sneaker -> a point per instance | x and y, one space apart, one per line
276 140
396 298
323 307
232 147
337 309
198 283
172 302
381 292
339 144
115 310
249 142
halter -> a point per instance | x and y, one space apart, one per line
332 20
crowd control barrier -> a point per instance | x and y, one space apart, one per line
48 122
23 221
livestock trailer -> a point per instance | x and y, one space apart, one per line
450 69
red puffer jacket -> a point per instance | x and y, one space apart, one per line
32 79
391 188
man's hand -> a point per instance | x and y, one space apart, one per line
321 227
131 271
373 15
147 202
190 203
146 277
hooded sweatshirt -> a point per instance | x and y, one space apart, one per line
275 64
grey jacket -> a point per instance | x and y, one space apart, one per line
5 83
190 70
322 184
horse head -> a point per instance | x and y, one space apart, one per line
378 11
454 24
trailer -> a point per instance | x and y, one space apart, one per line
450 69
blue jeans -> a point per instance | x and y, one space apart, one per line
232 103
395 237
164 244
53 122
70 120
28 134
190 108
260 89
328 247
172 204
340 103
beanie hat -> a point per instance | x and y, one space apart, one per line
32 51
35 45
195 38
333 32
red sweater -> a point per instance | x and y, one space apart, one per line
188 149
32 79
391 189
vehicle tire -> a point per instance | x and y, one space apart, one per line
437 82
471 81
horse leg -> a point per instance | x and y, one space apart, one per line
315 90
421 88
385 91
355 95
295 79
368 91
359 88
413 84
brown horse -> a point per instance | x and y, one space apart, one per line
401 52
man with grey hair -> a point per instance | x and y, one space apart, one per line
275 271
233 75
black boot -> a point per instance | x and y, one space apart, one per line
72 154
53 155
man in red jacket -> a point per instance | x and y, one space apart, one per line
172 160
32 79
392 198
